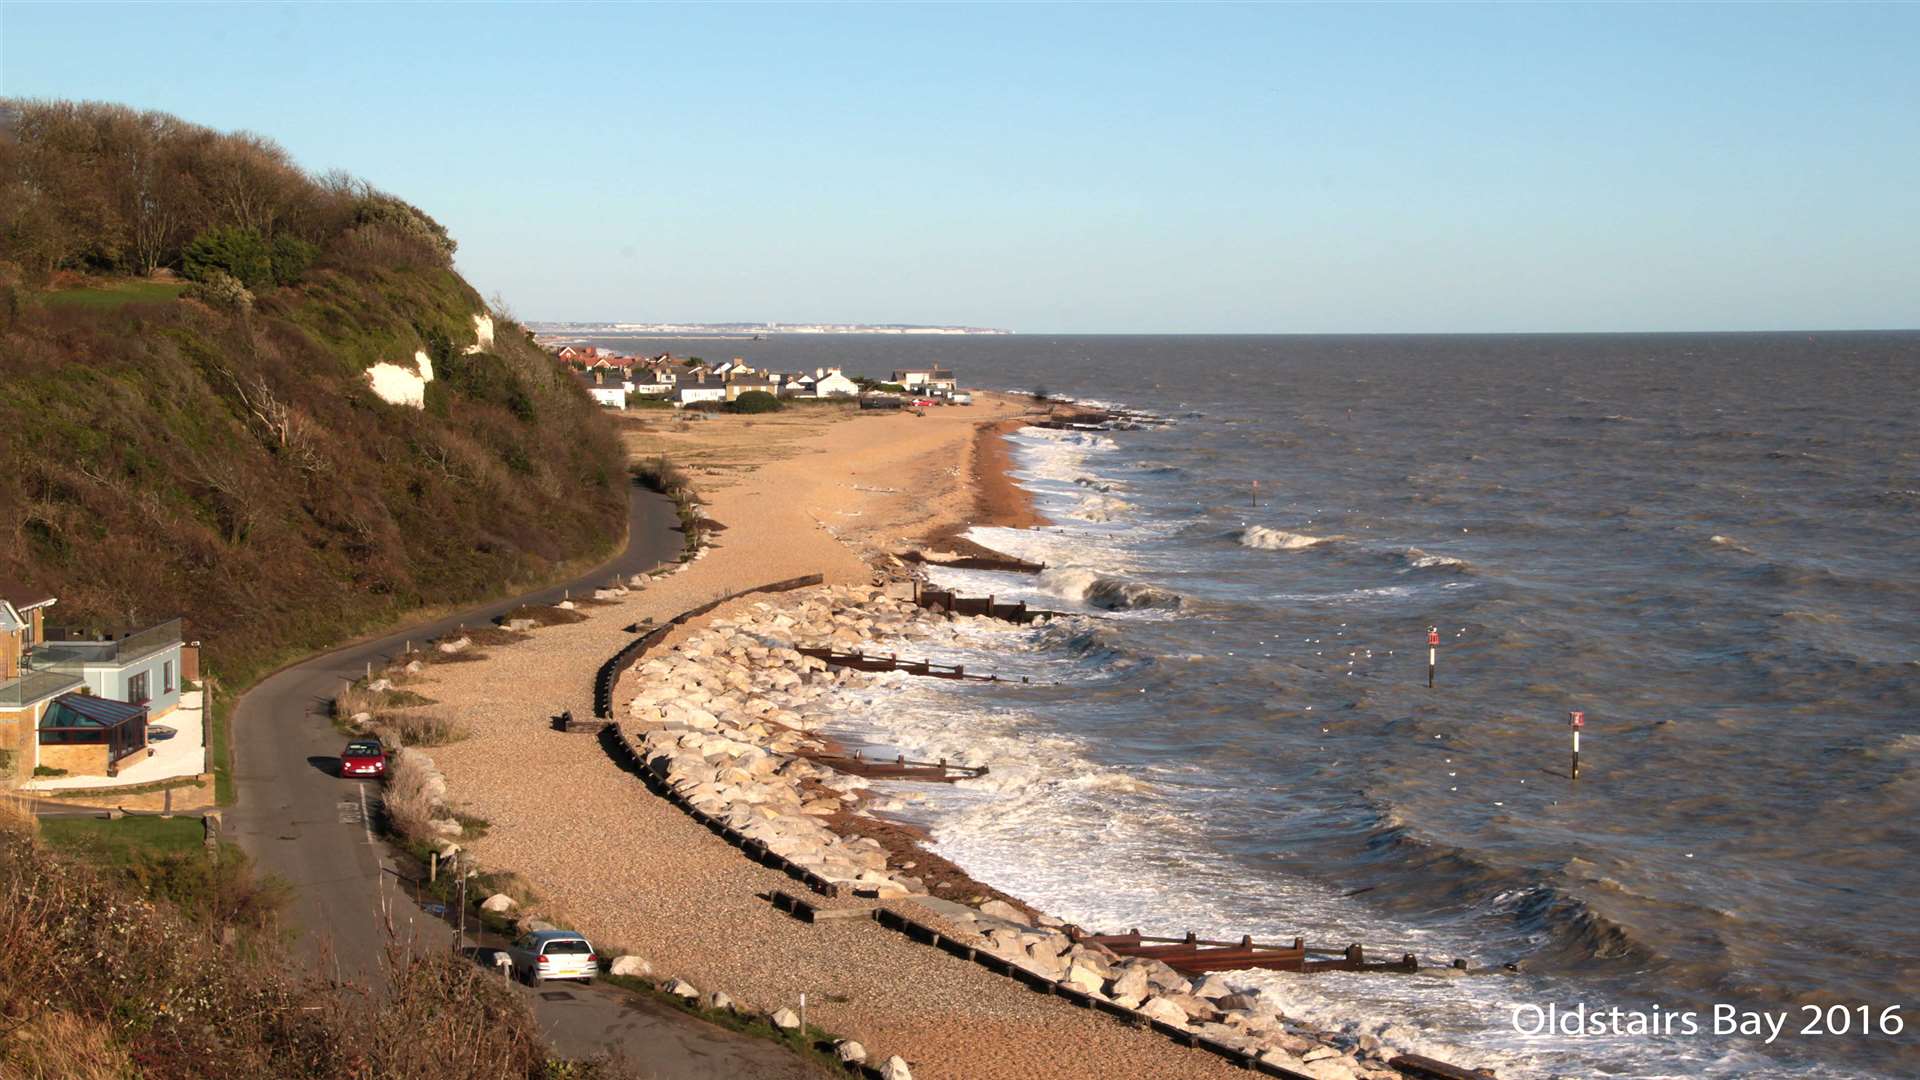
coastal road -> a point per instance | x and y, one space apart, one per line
298 820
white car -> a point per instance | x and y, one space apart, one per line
552 954
962 399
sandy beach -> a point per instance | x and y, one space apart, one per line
832 492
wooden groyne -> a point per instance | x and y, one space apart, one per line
1195 956
1002 563
860 661
954 604
930 772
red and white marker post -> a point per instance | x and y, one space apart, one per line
1433 652
1576 721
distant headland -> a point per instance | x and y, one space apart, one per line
749 328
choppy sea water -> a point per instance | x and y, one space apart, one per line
1710 544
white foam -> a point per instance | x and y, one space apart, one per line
1421 560
1265 539
1100 508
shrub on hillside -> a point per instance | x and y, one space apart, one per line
291 256
222 290
235 252
754 401
405 220
102 982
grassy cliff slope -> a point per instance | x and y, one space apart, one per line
186 422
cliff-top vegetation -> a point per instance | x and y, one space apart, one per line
186 424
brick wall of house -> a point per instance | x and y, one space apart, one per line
16 728
79 760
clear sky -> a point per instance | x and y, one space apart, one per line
1090 168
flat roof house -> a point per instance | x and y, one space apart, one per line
53 684
933 378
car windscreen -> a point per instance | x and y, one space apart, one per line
363 749
567 945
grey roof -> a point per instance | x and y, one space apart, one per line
85 710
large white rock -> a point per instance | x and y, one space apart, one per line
850 1052
1130 985
683 989
1213 986
1000 909
1082 977
895 1069
498 903
784 1019
1161 1009
631 966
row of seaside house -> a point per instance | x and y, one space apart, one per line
611 379
81 701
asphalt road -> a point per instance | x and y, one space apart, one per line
299 820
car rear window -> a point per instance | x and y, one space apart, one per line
567 945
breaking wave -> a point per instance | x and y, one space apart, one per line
1265 539
1097 590
1100 508
1421 560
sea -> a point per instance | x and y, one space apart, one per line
1706 544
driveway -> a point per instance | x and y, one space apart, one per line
300 821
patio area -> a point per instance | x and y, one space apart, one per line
184 753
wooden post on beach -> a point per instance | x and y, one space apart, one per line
1256 494
1576 721
1433 652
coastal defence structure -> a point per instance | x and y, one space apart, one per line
982 936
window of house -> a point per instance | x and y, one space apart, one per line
137 689
166 677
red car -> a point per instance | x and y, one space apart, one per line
363 757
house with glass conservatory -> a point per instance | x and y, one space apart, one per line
77 700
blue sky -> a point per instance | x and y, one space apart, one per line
1087 168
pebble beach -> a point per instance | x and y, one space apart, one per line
728 713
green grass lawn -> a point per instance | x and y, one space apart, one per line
118 294
113 843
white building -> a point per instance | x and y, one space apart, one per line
697 389
608 388
830 382
928 379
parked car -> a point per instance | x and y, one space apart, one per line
962 399
923 403
540 955
363 757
